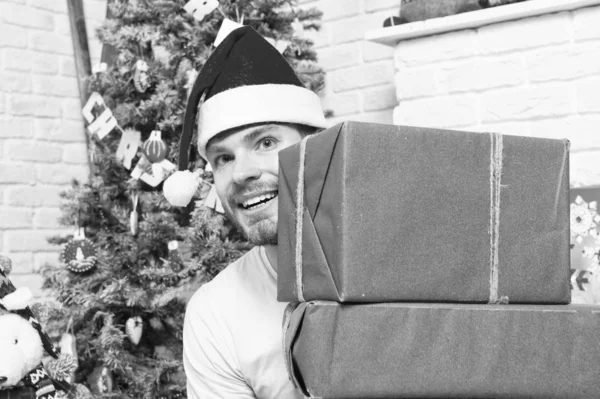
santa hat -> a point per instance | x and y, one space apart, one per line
245 81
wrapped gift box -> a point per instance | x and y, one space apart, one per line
396 213
18 393
401 350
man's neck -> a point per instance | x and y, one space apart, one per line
271 251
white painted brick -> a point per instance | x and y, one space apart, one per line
50 42
340 56
342 104
526 103
29 240
588 95
16 127
376 51
441 112
75 153
362 76
26 16
59 130
512 128
585 23
11 172
55 86
584 168
62 24
581 131
67 66
2 102
46 218
61 173
416 82
353 29
41 259
393 6
37 196
15 82
34 105
429 49
338 9
45 63
21 263
94 10
36 151
18 59
385 117
12 36
379 98
564 62
32 281
71 109
479 74
16 218
524 33
56 6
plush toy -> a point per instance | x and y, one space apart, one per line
23 344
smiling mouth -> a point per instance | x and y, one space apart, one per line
258 201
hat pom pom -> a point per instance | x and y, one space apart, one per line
180 187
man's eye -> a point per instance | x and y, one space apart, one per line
221 160
268 143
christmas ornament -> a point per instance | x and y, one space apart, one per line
99 68
100 119
200 8
180 187
226 28
585 219
141 80
130 141
156 324
155 149
280 45
5 264
175 260
212 201
134 327
79 254
100 380
133 218
152 173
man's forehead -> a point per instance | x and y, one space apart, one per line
240 132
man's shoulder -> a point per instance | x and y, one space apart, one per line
229 281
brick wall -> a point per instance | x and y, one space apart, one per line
537 76
42 142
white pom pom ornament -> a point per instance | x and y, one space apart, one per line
180 187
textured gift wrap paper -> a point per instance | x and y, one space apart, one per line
397 213
394 350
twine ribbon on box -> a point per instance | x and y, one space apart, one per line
496 148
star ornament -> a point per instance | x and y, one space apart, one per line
584 219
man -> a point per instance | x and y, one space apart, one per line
253 106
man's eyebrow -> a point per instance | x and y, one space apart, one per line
248 138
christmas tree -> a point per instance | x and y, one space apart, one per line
133 259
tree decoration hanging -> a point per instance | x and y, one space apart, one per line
99 117
174 258
141 79
101 380
133 217
79 254
128 145
155 149
134 326
200 8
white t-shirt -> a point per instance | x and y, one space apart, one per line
232 334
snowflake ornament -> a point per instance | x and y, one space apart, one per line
584 219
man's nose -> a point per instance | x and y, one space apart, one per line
246 168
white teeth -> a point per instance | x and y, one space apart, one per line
256 200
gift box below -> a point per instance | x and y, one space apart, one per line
395 350
406 214
18 393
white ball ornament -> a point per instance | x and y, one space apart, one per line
134 327
180 187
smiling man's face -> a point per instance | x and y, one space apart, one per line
245 167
